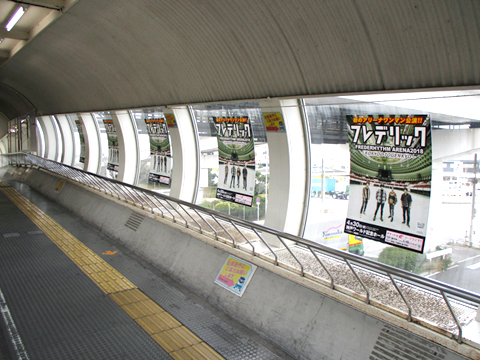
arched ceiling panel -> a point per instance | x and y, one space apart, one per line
124 54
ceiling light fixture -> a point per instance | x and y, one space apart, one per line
14 19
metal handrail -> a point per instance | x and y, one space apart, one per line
125 191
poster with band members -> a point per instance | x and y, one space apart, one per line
113 149
236 159
160 154
390 178
82 140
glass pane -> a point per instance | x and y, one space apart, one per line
150 156
41 140
105 149
209 171
453 234
79 141
59 139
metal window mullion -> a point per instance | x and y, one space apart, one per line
96 183
71 173
135 193
141 195
67 172
223 227
84 179
291 252
60 169
126 191
206 222
241 233
161 203
188 213
332 284
409 319
154 203
107 185
367 300
173 208
268 246
148 199
88 179
460 331
121 194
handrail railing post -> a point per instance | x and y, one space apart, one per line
186 212
206 222
290 251
332 284
460 331
223 227
409 319
173 208
267 245
173 216
367 300
241 233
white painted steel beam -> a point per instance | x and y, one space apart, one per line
127 144
184 144
92 143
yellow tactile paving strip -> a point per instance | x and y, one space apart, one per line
171 335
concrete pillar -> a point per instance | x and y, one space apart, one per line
33 141
434 234
92 143
128 146
68 150
185 154
49 137
3 125
289 170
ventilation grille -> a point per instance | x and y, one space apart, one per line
134 221
393 343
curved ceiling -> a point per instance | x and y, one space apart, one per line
121 54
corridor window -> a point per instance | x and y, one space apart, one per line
156 160
78 139
211 174
108 156
453 227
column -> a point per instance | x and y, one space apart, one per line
49 137
68 150
92 143
289 169
128 146
185 154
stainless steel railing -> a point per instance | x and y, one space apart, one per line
438 306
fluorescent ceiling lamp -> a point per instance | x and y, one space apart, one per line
14 19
